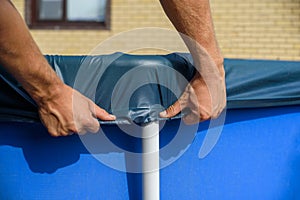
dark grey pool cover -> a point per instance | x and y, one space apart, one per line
137 87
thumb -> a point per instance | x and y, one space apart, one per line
171 111
102 114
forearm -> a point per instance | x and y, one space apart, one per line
21 57
193 19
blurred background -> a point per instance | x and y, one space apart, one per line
258 29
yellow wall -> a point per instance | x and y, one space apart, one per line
268 29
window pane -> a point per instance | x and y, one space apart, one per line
50 9
88 10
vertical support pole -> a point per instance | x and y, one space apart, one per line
150 161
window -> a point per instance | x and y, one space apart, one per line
68 14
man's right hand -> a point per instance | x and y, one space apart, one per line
65 111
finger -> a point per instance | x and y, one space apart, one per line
171 111
64 133
219 112
66 130
82 131
216 115
53 132
83 125
57 133
52 127
93 125
70 127
102 114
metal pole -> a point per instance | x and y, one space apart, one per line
150 163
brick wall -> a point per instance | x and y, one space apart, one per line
267 29
258 28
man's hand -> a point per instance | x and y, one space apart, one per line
66 111
62 110
204 96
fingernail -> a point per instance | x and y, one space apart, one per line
163 114
112 117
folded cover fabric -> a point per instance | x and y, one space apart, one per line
137 87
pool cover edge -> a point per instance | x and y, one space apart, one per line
250 84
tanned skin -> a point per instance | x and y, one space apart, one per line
64 110
206 94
